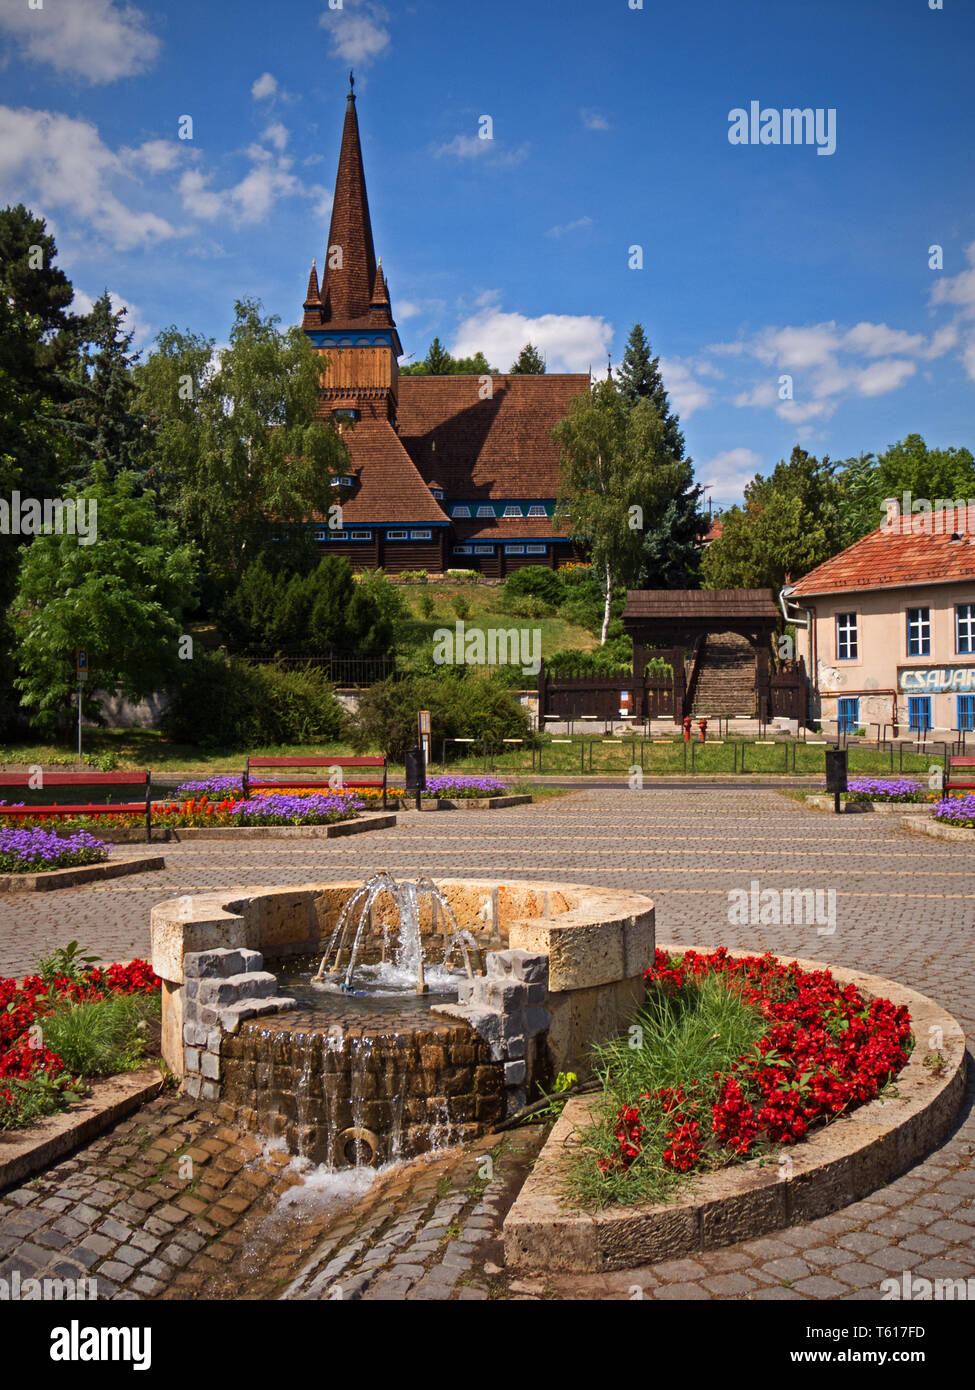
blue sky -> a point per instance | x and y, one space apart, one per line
610 131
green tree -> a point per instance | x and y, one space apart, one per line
121 598
439 362
639 379
529 362
617 478
671 549
790 523
239 450
99 416
37 341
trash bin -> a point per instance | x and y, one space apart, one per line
836 769
416 771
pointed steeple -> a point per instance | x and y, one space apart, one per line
350 261
379 309
313 301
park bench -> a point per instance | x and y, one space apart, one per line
250 784
56 811
957 784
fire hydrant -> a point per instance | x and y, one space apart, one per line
687 728
702 724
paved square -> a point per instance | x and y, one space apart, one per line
905 908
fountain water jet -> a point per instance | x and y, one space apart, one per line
407 950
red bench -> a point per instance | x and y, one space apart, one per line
81 779
250 785
953 784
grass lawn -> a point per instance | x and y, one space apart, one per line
148 748
485 601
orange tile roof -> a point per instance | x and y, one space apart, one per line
498 447
887 559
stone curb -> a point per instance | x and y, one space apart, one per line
840 1164
938 830
53 1136
883 808
382 821
82 873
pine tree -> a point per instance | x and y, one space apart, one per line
672 548
639 379
529 362
100 418
439 360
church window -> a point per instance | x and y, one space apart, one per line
460 511
537 511
485 511
512 510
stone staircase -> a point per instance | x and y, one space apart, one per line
724 682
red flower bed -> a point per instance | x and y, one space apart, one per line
826 1051
24 1005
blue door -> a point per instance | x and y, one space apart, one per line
849 716
919 712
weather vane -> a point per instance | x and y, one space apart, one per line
351 82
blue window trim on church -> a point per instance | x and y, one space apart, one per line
369 337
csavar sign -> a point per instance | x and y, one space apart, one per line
935 680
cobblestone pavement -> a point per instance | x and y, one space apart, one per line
905 908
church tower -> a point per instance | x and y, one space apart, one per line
348 317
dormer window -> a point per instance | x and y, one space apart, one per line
436 492
512 510
344 480
345 413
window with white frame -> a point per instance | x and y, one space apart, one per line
397 535
463 550
847 644
536 549
537 511
919 632
485 511
460 511
360 535
965 629
512 510
484 550
421 535
514 550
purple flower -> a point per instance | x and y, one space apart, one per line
213 786
282 809
884 789
956 810
28 851
465 786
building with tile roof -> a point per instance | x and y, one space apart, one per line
444 471
887 627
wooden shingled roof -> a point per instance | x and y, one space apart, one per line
499 447
700 604
886 559
389 490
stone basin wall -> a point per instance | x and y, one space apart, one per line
411 1091
560 967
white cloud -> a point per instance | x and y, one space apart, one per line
958 290
358 31
265 86
198 200
277 135
764 393
881 377
252 197
685 392
568 342
62 163
593 120
152 156
728 472
877 340
579 225
98 40
473 147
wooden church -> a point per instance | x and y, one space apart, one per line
445 471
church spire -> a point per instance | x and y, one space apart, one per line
349 274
